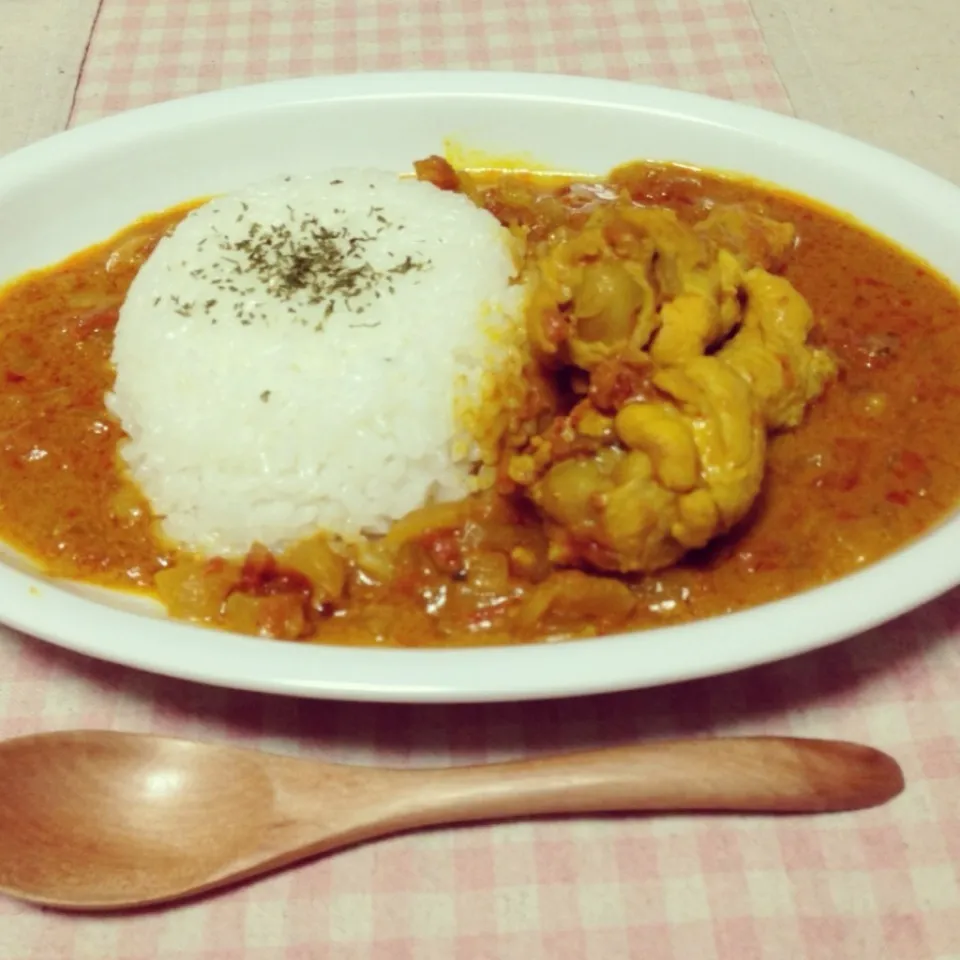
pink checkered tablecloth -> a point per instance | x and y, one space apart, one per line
879 885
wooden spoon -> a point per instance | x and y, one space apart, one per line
94 820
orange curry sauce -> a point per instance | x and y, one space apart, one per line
870 468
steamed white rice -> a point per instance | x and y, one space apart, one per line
267 395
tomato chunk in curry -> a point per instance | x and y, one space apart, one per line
851 456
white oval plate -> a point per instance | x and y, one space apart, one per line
76 188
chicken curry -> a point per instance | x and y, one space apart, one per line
733 395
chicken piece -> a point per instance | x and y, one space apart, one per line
692 353
608 286
588 304
680 252
660 431
705 310
705 307
771 353
754 238
606 511
674 474
728 430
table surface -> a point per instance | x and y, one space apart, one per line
880 884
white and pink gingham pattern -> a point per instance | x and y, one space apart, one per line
147 50
880 885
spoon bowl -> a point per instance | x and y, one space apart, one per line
95 820
115 817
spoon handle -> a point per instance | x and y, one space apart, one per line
750 774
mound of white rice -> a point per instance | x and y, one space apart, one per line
298 356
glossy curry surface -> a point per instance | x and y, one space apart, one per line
870 467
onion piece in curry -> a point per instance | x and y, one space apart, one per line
859 472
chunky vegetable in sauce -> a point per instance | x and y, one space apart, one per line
733 395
